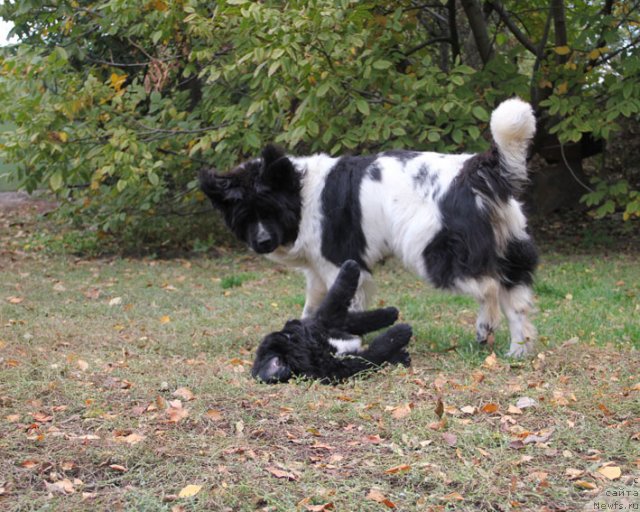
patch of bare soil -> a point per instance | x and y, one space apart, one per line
17 201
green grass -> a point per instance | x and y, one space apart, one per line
91 351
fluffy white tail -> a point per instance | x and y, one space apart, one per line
513 125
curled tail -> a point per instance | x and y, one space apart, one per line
513 125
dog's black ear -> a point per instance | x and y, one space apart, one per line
272 370
218 187
278 172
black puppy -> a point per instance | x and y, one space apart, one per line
312 347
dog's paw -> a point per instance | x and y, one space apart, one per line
401 357
521 349
399 335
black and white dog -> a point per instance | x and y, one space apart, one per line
326 346
453 219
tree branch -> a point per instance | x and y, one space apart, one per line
453 30
479 28
513 28
559 27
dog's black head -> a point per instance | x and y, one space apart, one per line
273 362
260 199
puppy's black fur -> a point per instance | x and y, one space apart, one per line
303 348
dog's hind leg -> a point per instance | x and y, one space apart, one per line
389 347
362 322
517 303
333 310
486 291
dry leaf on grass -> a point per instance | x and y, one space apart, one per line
189 490
400 411
377 496
184 393
398 469
610 472
280 473
450 438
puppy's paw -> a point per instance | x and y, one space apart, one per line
401 357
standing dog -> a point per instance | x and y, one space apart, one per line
326 346
453 219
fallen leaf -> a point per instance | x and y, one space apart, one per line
605 410
540 476
29 463
512 409
131 439
118 467
542 437
59 287
450 438
165 319
491 361
401 411
189 490
439 410
42 417
610 472
490 408
377 496
14 300
397 469
115 301
279 473
525 402
573 473
83 365
453 496
468 409
184 393
176 414
13 418
318 508
582 484
64 486
214 415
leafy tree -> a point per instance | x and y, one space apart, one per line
116 103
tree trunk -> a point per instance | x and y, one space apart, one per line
479 29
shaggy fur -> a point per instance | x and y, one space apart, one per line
452 219
308 347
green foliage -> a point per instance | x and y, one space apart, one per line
612 197
116 104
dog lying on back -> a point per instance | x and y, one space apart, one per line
326 346
455 220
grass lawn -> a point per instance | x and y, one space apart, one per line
125 385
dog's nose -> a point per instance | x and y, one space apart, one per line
263 242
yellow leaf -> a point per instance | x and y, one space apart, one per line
610 472
562 89
594 54
117 81
562 50
582 484
165 319
189 491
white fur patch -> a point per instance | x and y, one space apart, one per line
346 345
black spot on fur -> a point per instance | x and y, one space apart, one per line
401 154
465 246
375 173
519 262
342 235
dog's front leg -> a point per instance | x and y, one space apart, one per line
316 291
